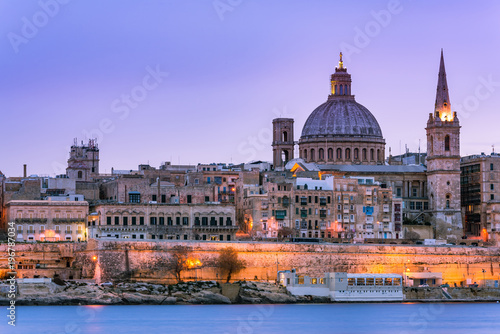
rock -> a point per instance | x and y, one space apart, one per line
208 297
278 298
250 300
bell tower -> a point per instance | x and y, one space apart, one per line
443 163
283 143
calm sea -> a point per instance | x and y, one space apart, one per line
464 318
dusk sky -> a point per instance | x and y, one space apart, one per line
199 81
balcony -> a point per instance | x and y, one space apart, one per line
30 220
68 220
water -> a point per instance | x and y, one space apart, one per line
455 318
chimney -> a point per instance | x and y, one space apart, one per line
25 171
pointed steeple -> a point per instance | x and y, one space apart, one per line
443 105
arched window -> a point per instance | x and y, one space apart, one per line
348 154
321 154
447 143
305 155
379 157
341 89
330 153
285 136
356 154
448 196
336 90
339 154
364 154
345 89
312 154
372 154
80 174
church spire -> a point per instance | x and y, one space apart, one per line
443 105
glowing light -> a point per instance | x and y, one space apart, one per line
94 258
191 263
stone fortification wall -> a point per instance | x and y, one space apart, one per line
145 260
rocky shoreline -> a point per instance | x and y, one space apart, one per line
206 292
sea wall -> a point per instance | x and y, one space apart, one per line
145 260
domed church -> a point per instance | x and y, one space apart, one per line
339 131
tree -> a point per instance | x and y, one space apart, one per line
228 262
177 262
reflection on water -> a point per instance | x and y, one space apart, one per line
456 318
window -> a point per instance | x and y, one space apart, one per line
134 197
372 154
321 154
204 221
189 199
398 192
491 167
207 199
312 154
305 154
348 154
492 186
108 220
185 221
414 192
177 220
141 220
339 154
80 174
161 221
330 154
125 221
164 198
492 197
447 143
134 220
152 220
364 154
356 154
153 198
117 220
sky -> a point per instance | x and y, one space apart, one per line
199 81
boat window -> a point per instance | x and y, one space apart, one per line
379 281
360 281
350 281
370 281
388 281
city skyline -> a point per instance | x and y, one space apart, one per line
231 70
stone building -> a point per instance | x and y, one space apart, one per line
83 162
356 208
343 138
443 163
480 196
43 220
139 221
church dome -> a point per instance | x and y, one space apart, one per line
341 116
342 131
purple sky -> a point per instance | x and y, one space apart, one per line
230 72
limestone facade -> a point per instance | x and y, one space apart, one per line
139 221
41 220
